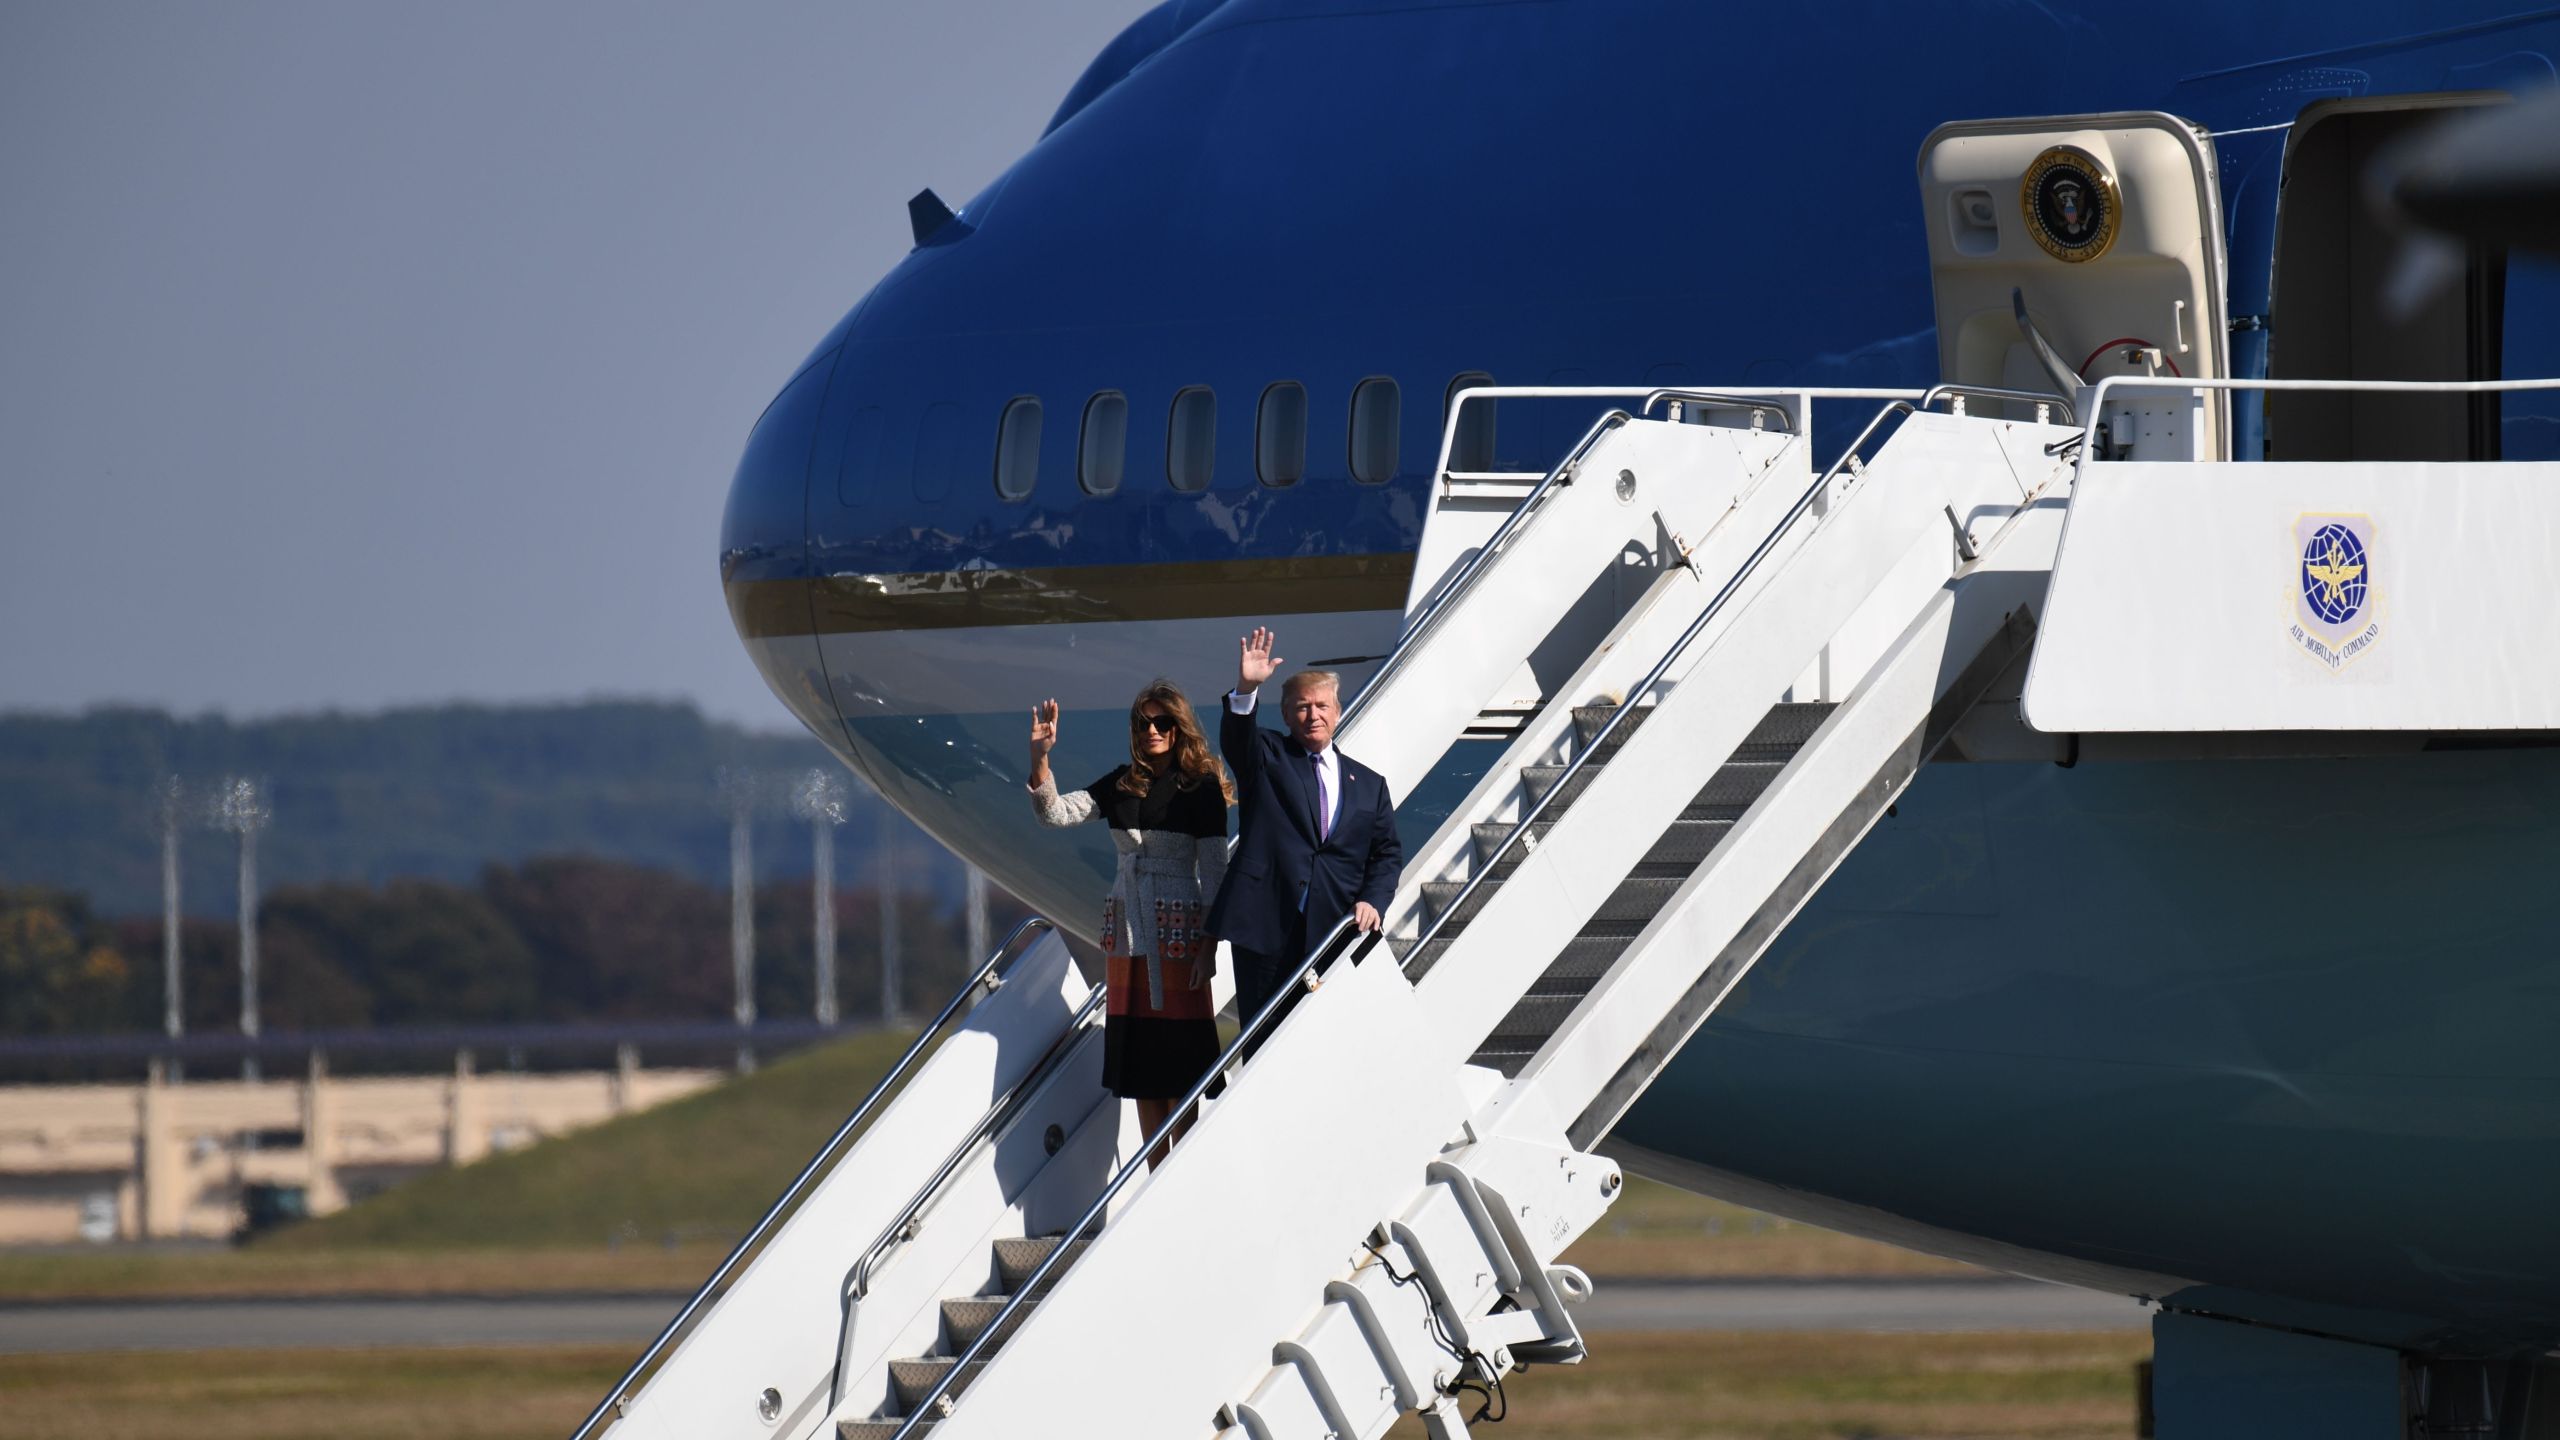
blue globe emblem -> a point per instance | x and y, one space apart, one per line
2333 574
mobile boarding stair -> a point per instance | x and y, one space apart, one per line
1712 666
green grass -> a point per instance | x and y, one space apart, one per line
649 1203
1660 1386
702 1168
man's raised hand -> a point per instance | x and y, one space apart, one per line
1254 661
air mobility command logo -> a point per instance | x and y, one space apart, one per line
2337 605
2073 208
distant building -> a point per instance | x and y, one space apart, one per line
157 1161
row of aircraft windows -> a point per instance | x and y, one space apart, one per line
1191 428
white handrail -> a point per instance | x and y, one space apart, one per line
1737 397
2098 398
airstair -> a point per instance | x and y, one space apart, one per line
1712 663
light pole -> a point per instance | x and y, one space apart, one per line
173 814
819 799
243 811
738 789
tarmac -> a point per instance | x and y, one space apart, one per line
1931 1305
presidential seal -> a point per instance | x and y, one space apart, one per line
2073 208
2336 602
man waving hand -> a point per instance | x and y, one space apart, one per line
1317 830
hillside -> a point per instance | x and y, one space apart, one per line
430 793
700 1168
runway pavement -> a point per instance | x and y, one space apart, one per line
1938 1305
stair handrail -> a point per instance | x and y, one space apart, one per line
620 1395
2041 399
1722 400
1465 575
925 1409
1485 868
909 1221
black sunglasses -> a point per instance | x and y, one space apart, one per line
1161 724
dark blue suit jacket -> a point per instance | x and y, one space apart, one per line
1280 854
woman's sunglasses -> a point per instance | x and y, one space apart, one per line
1161 724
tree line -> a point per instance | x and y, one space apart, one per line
427 792
554 939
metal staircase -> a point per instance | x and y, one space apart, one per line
1713 669
1690 838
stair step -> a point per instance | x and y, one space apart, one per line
1684 844
1638 898
878 1429
1588 720
1531 1022
1781 732
1017 1258
1509 1061
1438 895
1595 949
912 1380
963 1321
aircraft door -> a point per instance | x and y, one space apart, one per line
2107 231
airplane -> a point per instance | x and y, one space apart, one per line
2262 1036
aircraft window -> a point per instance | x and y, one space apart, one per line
1191 439
1376 418
937 450
1471 449
1280 435
1018 448
1106 443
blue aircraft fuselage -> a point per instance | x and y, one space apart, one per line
2143 1025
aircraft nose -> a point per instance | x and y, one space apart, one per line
764 547
763 533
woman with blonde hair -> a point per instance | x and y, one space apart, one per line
1167 809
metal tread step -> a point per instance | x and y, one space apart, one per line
878 1429
1598 946
912 1380
964 1320
1016 1258
1685 843
1785 728
1639 897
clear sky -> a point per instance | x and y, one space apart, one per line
355 354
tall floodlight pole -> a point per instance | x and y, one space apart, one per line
244 811
977 916
173 814
819 799
890 1003
738 788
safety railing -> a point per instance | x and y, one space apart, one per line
1795 400
909 1221
2045 401
1598 743
1465 575
2114 383
986 978
1761 406
936 1402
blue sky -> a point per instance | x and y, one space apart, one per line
354 355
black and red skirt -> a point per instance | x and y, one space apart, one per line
1154 1051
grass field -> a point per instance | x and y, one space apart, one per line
1710 1387
650 1202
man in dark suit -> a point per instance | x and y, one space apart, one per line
1316 837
